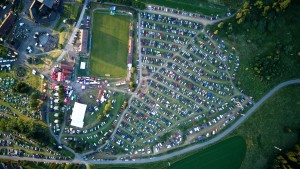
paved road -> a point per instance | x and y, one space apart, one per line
69 45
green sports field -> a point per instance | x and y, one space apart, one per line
110 35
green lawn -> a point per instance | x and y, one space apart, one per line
228 154
266 127
91 120
200 6
110 37
58 23
35 81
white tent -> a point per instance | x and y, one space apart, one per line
78 114
82 65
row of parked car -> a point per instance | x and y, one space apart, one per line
189 14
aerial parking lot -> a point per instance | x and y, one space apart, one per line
186 93
188 84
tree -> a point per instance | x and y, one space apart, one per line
240 16
99 117
266 9
281 5
132 70
33 101
61 92
3 126
107 107
22 87
124 104
131 84
258 4
220 25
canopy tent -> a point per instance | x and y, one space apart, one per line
78 114
82 65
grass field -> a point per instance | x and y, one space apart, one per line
91 120
110 35
35 81
200 6
227 154
58 23
266 128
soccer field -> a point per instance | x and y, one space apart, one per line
110 35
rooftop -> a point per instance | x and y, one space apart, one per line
78 114
48 3
7 23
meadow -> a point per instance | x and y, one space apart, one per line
227 154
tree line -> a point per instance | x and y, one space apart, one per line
271 26
28 127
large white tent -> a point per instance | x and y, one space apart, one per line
78 114
82 65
